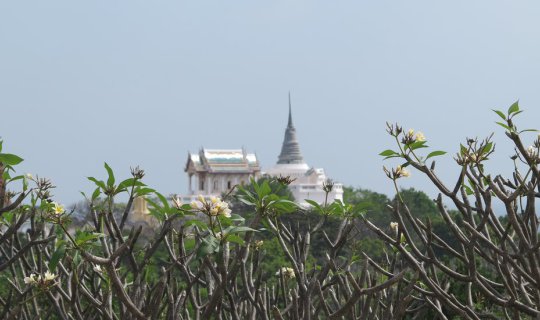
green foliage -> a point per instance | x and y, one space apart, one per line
267 196
374 204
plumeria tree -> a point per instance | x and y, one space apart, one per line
490 265
202 261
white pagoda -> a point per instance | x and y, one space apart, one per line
308 183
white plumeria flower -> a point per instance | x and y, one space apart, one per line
287 272
227 212
201 198
177 202
420 136
214 211
31 279
214 200
195 205
29 176
402 172
258 244
531 150
58 209
49 276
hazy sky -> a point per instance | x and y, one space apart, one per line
144 82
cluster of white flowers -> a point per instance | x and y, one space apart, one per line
37 279
412 136
402 172
258 244
212 207
287 272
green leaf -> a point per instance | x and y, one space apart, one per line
56 256
388 152
500 113
435 154
516 113
265 189
96 194
487 148
197 223
130 183
144 191
9 159
82 237
17 178
529 130
110 180
462 149
208 246
256 187
416 145
390 157
98 183
234 238
513 108
314 204
504 126
237 218
468 190
164 201
241 229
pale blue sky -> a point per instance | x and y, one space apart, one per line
143 82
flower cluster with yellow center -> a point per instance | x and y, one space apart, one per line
57 209
411 137
287 272
37 279
211 207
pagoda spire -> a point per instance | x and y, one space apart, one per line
290 150
290 123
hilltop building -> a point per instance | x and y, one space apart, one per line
213 172
308 183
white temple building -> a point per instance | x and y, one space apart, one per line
213 172
308 183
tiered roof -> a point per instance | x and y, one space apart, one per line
290 150
223 160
